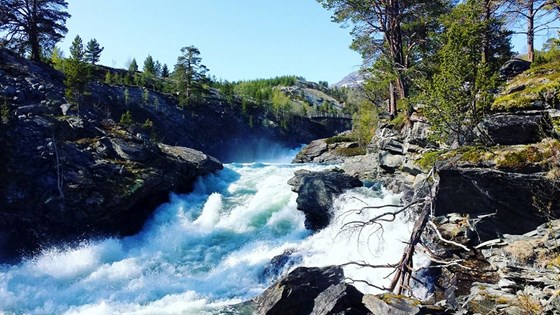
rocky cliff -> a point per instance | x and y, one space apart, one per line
492 236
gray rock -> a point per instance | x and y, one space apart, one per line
508 129
295 294
389 161
316 191
514 67
389 304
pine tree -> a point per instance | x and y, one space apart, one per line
164 71
77 49
93 51
133 67
190 75
77 72
33 26
459 93
149 66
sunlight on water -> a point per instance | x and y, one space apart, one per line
200 252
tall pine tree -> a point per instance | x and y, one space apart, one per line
93 51
33 26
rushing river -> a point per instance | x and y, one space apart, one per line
203 251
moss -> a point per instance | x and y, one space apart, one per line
556 124
541 83
339 139
348 152
428 160
399 122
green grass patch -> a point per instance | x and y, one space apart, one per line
340 139
348 152
428 160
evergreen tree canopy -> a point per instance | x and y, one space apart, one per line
149 66
133 66
190 75
77 49
93 51
33 26
164 71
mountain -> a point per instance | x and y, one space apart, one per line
352 80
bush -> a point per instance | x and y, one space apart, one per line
126 119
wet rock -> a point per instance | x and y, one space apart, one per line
316 191
280 263
304 291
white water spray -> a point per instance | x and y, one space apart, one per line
200 252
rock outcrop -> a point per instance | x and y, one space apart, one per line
517 128
71 172
316 191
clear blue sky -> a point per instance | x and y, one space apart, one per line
238 39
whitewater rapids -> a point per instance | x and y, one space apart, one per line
202 251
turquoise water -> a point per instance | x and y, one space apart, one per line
200 252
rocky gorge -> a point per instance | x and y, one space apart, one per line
70 172
493 208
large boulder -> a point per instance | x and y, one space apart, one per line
514 67
509 202
317 291
520 128
316 191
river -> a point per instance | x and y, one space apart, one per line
203 251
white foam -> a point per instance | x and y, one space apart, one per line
198 253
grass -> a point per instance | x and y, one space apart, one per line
340 139
544 154
349 152
428 160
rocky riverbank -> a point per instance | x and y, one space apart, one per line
492 236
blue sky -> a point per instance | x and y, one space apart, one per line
238 39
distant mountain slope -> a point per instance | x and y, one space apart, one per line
354 79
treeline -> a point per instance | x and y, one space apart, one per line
443 54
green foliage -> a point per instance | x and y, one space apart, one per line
148 124
93 51
190 76
340 139
126 96
149 66
126 119
77 73
540 84
349 152
145 97
5 112
364 123
164 71
459 93
428 160
57 59
133 67
77 49
108 77
32 26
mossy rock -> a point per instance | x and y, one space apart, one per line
536 88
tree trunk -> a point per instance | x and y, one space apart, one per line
34 33
394 39
531 31
486 38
